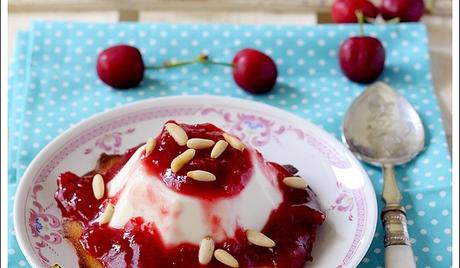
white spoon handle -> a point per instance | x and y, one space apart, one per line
398 250
399 256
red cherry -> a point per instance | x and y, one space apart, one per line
362 58
254 71
120 66
343 11
405 10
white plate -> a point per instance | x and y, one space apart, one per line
345 193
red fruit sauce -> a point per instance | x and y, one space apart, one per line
292 225
233 167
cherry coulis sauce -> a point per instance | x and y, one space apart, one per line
292 225
233 168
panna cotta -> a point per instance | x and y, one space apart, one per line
182 218
193 195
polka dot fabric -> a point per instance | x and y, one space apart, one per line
53 85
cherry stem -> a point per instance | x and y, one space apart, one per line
360 16
429 5
390 21
393 20
202 58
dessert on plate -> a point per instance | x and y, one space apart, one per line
194 196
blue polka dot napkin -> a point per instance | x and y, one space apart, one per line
53 85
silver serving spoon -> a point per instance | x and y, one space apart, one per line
382 128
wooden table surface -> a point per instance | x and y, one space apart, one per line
439 27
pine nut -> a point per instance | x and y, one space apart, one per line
226 258
197 143
295 182
182 159
259 239
201 175
233 141
206 250
150 146
218 149
107 214
177 133
98 186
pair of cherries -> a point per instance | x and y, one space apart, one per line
361 58
122 67
343 11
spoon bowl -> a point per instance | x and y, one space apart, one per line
381 127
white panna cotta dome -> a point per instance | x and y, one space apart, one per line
182 218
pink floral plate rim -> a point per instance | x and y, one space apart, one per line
38 216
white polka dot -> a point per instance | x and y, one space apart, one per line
22 263
439 258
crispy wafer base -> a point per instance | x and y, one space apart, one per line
72 232
74 229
